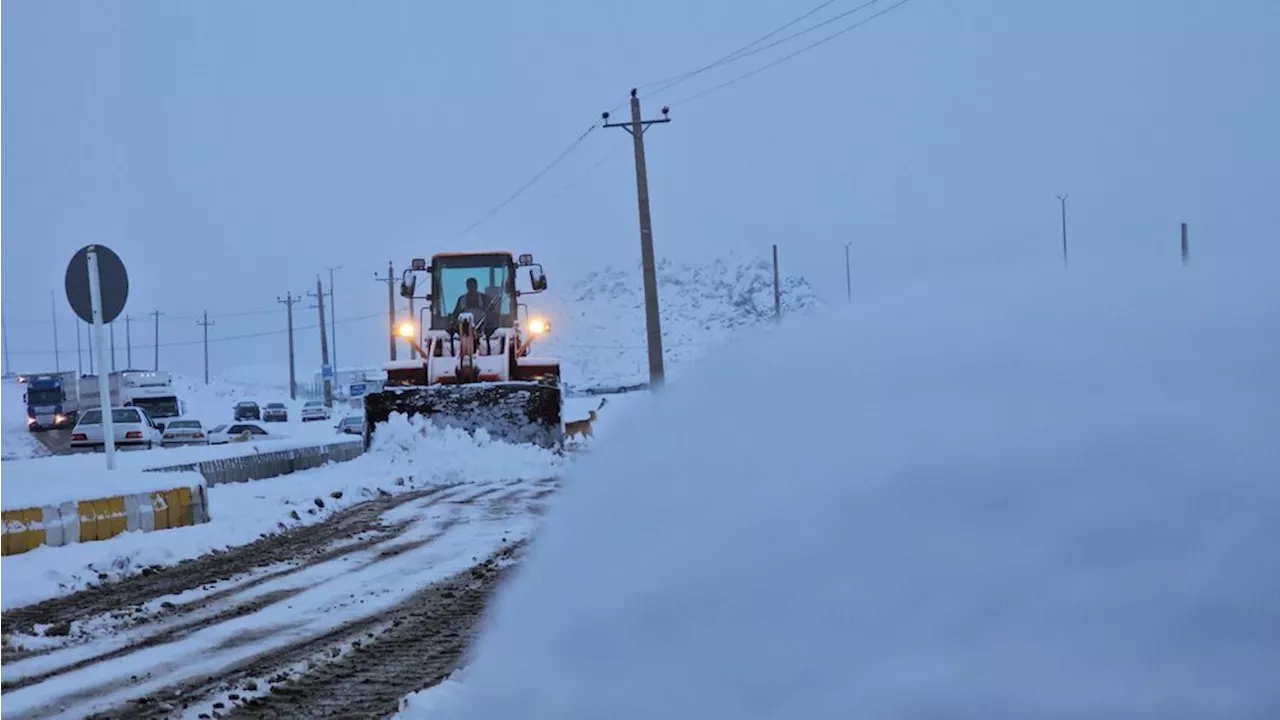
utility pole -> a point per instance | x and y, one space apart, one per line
333 320
128 343
79 358
157 315
652 320
288 302
205 323
57 358
1186 246
326 371
4 335
777 288
390 280
413 317
1063 199
848 274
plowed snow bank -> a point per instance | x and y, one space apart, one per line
1049 496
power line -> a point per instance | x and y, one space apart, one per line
784 58
538 176
224 338
578 179
742 52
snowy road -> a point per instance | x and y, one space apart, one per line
321 620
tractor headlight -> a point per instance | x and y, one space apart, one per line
59 419
406 330
538 326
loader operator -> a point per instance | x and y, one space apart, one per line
472 299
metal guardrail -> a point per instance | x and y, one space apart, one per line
263 465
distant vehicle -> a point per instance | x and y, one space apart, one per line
351 425
238 432
314 410
131 427
184 432
52 399
151 391
247 411
276 412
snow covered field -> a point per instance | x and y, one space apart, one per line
1049 495
242 513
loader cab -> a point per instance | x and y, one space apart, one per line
483 284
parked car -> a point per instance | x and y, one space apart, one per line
314 410
351 425
247 411
238 432
184 432
277 412
131 427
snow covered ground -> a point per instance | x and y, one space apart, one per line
242 513
1039 495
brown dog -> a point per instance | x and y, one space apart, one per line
582 428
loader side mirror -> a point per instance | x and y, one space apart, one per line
408 285
538 280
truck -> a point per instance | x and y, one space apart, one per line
150 390
52 400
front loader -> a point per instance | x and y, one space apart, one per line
474 366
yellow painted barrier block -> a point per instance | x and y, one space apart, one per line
23 530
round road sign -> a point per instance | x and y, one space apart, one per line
112 280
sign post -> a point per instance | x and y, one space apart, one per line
98 302
104 384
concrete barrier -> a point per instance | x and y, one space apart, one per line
263 465
77 521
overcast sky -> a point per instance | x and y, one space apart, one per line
229 151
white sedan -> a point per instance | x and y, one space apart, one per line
184 432
314 410
239 432
131 426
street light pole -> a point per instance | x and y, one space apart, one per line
848 274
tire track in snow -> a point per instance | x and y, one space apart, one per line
233 632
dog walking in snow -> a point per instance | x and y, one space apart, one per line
582 428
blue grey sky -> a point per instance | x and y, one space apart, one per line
229 151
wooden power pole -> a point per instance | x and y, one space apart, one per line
390 280
288 301
653 321
326 370
205 323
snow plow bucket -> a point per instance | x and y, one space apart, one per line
514 412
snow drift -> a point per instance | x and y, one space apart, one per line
1053 495
598 327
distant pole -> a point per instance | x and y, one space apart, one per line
79 358
777 288
128 343
324 346
653 319
288 302
390 280
848 273
1063 199
53 307
157 315
205 323
333 320
413 318
1186 246
4 335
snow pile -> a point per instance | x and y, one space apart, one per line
244 512
598 327
1048 496
43 484
435 701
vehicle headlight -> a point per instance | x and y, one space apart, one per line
31 421
538 326
59 419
